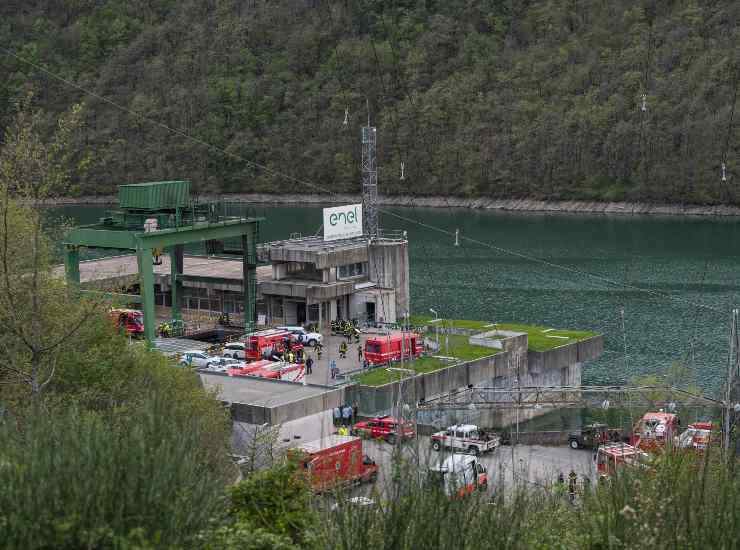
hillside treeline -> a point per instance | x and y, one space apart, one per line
497 98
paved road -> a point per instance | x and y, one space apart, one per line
533 465
331 351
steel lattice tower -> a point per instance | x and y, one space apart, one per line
369 182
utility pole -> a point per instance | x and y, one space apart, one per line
369 180
731 372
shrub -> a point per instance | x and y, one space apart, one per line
74 478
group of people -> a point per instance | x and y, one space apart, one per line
346 328
344 417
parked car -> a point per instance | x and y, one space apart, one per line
383 427
196 358
236 350
223 364
465 437
301 335
592 436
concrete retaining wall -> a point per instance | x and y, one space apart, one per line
540 362
376 400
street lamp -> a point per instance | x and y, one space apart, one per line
436 321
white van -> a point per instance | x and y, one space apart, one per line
460 475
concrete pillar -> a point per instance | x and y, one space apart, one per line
146 285
332 310
72 266
321 316
177 253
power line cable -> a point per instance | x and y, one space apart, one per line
327 191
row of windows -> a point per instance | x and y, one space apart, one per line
352 270
229 306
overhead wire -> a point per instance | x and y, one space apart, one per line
390 213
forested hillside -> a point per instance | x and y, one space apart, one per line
498 98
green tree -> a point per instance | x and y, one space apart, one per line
40 317
275 500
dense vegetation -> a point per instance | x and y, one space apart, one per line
681 502
500 98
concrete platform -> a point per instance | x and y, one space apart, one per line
258 401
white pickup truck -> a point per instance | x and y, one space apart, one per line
303 336
466 438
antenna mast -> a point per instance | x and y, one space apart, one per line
369 180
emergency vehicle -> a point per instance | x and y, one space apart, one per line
383 427
465 438
249 368
696 437
653 430
459 476
614 457
280 371
387 348
261 344
129 320
334 461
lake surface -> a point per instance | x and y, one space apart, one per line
689 266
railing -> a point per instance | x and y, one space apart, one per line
392 235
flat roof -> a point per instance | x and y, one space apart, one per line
261 392
126 265
318 244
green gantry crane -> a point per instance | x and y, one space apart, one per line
160 217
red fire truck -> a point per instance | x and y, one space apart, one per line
613 457
333 461
261 344
387 348
653 430
130 320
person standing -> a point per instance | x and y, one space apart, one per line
343 350
337 416
346 415
359 353
309 365
572 483
333 368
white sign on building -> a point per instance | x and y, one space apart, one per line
342 222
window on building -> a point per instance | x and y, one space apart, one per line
352 270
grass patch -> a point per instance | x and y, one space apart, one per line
538 339
421 320
543 341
